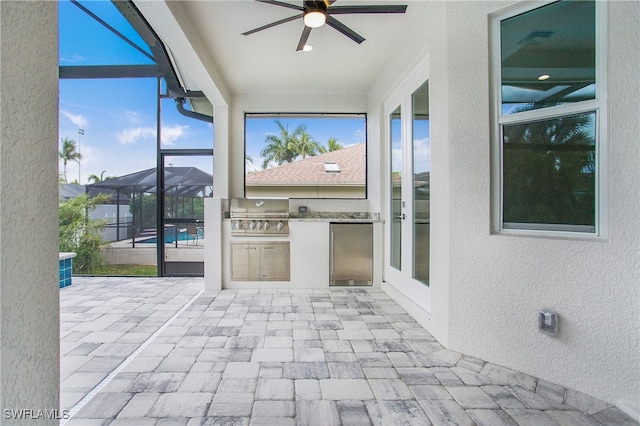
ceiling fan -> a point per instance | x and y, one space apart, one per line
316 13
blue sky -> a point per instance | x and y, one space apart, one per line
118 116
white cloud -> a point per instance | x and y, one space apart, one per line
170 134
77 119
422 155
75 58
134 134
133 117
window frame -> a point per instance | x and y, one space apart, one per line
499 121
315 115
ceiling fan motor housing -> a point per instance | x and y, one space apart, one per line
312 5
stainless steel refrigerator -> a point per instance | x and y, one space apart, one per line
351 260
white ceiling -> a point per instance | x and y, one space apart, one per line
267 61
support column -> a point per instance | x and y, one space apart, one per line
29 304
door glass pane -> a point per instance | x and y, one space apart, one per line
188 180
396 188
421 175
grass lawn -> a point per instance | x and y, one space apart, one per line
143 270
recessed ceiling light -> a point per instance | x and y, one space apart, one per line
544 77
307 48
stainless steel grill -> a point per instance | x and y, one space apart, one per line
257 217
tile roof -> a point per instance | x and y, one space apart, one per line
311 170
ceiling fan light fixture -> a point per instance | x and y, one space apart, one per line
315 18
307 48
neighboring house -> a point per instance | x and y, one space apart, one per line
68 191
114 211
335 174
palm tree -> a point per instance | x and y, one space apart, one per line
277 149
248 161
100 178
68 153
303 143
333 145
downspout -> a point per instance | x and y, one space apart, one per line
191 114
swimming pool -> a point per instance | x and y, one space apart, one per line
170 237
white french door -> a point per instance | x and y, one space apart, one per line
408 188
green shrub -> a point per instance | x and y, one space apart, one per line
80 235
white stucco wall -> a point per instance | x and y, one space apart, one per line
29 307
487 288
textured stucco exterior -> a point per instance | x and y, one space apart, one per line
29 307
487 287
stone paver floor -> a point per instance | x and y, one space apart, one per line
158 351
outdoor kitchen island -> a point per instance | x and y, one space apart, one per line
308 240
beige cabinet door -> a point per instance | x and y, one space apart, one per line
245 261
274 261
265 261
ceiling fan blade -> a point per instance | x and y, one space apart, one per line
273 24
303 38
392 8
334 23
279 3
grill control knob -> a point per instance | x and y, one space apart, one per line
238 225
259 225
252 225
280 225
266 225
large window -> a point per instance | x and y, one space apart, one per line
549 92
305 155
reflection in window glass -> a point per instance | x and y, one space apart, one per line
549 173
421 182
396 187
305 156
548 56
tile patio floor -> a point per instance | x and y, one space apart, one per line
155 351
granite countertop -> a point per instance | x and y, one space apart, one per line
336 216
330 216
